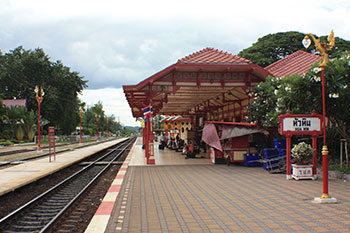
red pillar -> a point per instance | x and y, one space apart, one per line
150 150
324 148
325 172
39 143
80 128
314 160
145 132
289 176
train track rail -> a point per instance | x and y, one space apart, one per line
43 211
19 151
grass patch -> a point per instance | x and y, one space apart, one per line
345 169
6 143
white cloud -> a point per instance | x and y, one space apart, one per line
114 103
114 43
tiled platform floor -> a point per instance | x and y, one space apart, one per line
165 157
217 198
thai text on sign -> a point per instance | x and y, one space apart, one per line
301 124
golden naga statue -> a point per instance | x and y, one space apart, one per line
322 48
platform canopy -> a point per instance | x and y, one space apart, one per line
206 82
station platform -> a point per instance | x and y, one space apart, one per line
192 195
20 175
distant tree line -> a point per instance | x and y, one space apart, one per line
20 71
273 47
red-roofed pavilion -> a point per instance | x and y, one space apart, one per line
206 85
209 83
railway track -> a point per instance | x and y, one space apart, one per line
28 158
43 211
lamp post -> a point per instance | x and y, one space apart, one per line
97 120
39 99
80 111
323 48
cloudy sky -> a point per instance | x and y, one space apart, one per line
113 43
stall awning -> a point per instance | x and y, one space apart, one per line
228 130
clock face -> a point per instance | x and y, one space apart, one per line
306 42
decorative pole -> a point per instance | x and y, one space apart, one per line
80 111
107 126
323 48
39 99
98 119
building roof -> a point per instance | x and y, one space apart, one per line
210 55
209 78
297 63
175 119
14 102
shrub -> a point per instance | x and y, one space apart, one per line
302 153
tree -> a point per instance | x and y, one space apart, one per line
273 47
29 122
113 125
303 94
22 69
89 120
3 117
337 92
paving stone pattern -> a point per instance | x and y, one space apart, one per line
217 198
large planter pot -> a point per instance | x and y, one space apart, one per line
302 172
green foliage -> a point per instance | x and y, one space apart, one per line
302 153
303 94
19 133
20 122
21 70
345 169
264 109
89 120
273 47
6 143
29 122
128 132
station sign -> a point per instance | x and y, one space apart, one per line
300 124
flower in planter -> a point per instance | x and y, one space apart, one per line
302 153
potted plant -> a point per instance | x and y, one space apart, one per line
302 161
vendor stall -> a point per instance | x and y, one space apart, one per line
231 138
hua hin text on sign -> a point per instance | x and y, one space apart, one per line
301 124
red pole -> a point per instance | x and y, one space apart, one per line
80 128
151 159
289 176
324 108
98 135
39 99
146 137
324 149
39 144
314 160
